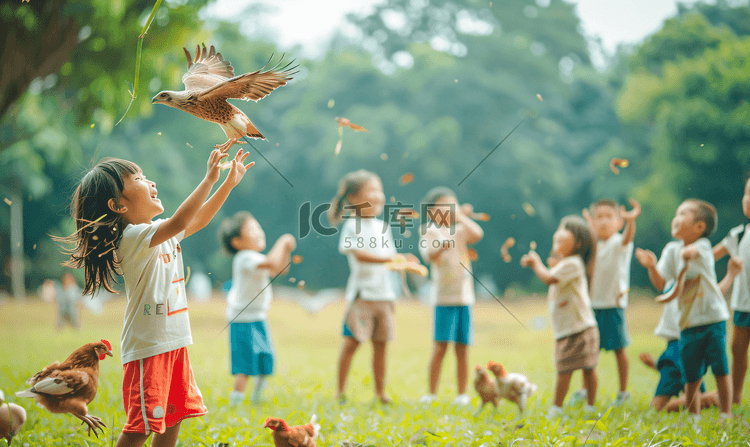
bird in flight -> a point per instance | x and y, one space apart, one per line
210 81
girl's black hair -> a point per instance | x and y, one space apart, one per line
231 228
585 244
349 185
98 228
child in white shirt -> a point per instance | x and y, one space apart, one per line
368 245
444 242
573 322
611 282
114 207
737 244
248 300
703 309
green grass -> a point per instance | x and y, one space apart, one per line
304 383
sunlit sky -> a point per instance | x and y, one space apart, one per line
310 23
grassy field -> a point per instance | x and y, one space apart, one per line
307 348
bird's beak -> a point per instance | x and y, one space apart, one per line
154 100
109 353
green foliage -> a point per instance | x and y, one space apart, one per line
688 95
437 115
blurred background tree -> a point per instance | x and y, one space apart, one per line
437 84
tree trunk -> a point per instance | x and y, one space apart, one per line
29 54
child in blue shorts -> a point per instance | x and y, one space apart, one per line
444 243
249 299
702 308
672 376
737 244
610 283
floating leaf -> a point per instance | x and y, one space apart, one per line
618 162
343 122
406 178
504 249
529 209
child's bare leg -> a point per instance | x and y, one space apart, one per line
168 438
561 388
622 368
131 440
378 369
710 399
659 402
462 366
724 388
436 364
345 360
590 383
240 381
740 343
693 397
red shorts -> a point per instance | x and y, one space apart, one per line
159 392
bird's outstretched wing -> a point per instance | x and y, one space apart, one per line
208 69
256 85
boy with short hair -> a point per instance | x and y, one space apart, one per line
737 245
702 307
249 299
611 282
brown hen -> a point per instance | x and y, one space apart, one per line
69 386
297 436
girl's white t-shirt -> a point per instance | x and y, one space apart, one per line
156 318
568 298
372 281
249 285
610 283
701 302
740 247
452 283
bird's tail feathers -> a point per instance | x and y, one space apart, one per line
252 131
240 126
316 426
532 389
26 393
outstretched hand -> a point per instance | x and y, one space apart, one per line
238 169
530 259
214 166
646 258
734 266
630 216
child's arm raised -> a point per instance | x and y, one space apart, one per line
734 267
533 260
474 232
629 218
647 259
278 257
720 250
209 209
186 212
